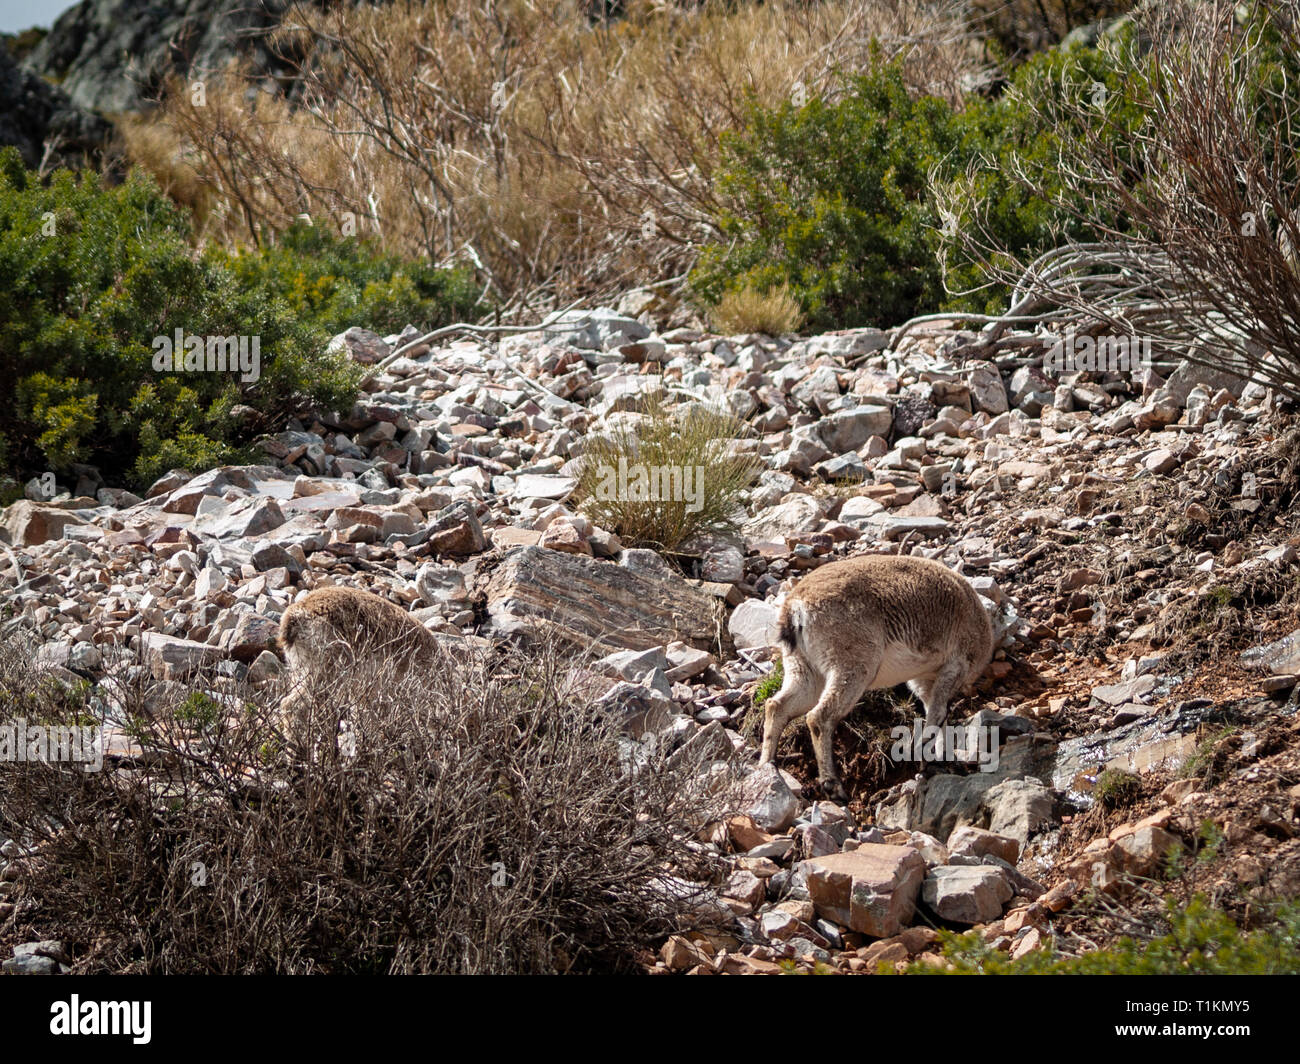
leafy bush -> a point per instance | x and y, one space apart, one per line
1201 941
830 199
859 204
338 281
1116 788
91 279
90 276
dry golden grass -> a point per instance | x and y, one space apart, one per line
563 155
774 312
155 147
684 476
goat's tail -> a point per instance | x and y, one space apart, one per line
790 626
292 629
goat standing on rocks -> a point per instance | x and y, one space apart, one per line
867 623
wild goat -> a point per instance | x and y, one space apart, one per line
333 628
867 623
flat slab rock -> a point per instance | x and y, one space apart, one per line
872 889
592 602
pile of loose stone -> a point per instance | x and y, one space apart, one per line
449 489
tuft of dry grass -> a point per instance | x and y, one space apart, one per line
667 474
746 310
156 148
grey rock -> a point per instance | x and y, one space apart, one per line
764 795
848 430
966 894
753 624
37 116
587 602
1281 657
1018 808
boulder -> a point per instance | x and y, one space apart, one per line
765 797
871 890
26 523
967 894
597 603
753 624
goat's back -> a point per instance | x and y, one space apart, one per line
330 620
914 608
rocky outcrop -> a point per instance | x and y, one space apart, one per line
450 489
112 55
44 123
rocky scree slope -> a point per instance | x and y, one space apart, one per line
1118 528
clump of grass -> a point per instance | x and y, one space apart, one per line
768 686
1219 596
1116 788
670 475
1201 760
1200 940
773 312
752 726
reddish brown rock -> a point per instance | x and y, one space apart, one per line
871 889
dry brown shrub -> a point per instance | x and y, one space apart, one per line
479 818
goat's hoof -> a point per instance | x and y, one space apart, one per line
833 789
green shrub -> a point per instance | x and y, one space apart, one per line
338 281
92 276
1201 941
830 199
1116 788
858 205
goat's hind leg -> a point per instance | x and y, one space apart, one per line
936 692
843 689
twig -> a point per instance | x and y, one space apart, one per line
464 326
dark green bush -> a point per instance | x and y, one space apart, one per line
91 276
338 281
830 199
841 200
